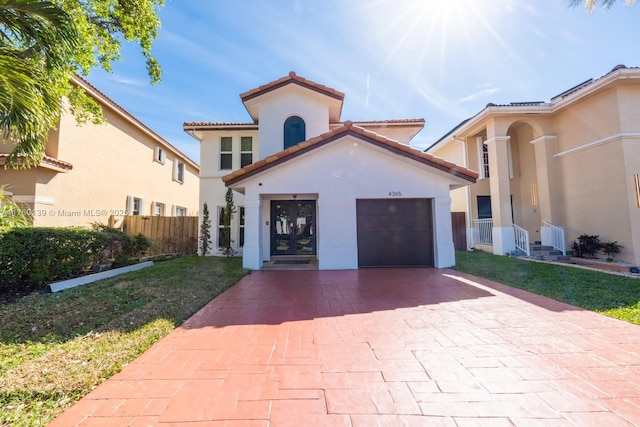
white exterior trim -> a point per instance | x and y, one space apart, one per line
543 138
42 200
613 138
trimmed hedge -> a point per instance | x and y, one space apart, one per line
32 257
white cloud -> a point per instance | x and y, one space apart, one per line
479 94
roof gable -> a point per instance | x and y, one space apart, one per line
330 97
349 129
292 78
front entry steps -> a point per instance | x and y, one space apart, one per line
545 253
291 262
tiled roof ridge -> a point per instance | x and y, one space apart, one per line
82 81
416 120
196 124
348 128
292 77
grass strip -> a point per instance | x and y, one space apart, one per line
55 348
613 295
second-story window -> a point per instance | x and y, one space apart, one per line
159 155
226 156
294 131
483 158
178 171
246 151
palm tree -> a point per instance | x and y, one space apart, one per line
37 40
591 4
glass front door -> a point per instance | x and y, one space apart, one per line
293 227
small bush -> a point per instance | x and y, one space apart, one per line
586 246
120 247
611 249
31 257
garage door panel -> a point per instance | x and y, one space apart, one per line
394 232
399 257
394 206
396 239
394 223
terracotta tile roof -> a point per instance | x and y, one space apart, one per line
217 125
46 162
358 132
393 121
292 78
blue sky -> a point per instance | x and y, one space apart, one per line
442 60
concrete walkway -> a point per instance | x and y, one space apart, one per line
378 347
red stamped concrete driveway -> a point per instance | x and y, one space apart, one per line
378 347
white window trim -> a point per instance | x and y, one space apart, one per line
176 170
248 151
174 210
220 153
481 169
130 205
162 208
159 155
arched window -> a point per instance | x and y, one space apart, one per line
294 131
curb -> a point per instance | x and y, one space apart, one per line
79 281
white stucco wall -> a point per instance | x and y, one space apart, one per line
289 101
340 173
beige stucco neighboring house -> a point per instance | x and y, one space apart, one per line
552 171
92 172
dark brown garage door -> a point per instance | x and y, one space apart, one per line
394 232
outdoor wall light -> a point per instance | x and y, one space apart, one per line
534 195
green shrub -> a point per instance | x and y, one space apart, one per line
120 247
31 257
611 249
586 246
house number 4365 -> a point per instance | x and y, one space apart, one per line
395 193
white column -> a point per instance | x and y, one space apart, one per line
503 235
444 249
252 253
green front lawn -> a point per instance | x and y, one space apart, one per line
613 295
55 348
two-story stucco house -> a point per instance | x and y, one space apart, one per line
349 194
92 172
552 171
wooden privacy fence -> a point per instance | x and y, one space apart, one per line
168 234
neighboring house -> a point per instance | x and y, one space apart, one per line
91 172
552 171
350 194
